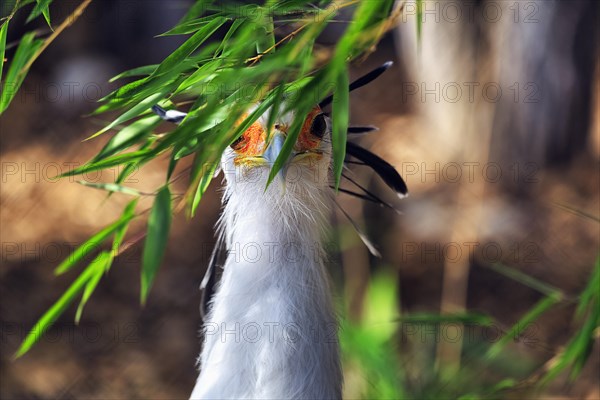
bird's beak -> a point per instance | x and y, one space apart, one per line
272 153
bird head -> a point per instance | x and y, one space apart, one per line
249 159
304 180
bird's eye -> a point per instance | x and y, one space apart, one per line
239 143
251 142
319 126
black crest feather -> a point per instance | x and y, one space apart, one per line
360 82
381 167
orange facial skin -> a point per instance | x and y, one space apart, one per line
306 140
251 145
252 141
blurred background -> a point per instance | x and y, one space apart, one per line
494 122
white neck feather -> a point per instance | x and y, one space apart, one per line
271 332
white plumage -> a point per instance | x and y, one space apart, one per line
271 332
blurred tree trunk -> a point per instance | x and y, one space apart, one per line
529 63
503 82
551 54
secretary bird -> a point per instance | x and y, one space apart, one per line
270 329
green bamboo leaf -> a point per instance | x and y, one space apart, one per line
98 266
137 156
188 27
203 184
265 33
3 31
367 15
196 10
201 75
527 280
128 215
146 70
131 167
142 107
124 94
288 145
18 4
15 75
111 187
159 224
275 109
42 7
270 30
463 318
591 291
577 351
89 245
585 342
531 316
139 90
129 136
42 325
341 119
469 396
226 39
419 22
303 101
189 46
130 90
172 165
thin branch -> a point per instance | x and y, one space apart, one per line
70 20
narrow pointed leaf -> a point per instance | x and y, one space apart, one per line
188 27
419 22
146 70
275 109
89 245
341 119
301 100
98 265
234 27
205 180
590 292
189 46
54 312
172 165
527 280
111 187
3 31
288 145
461 318
15 75
109 162
42 7
142 107
119 236
128 215
129 136
584 342
198 9
578 349
159 224
515 331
